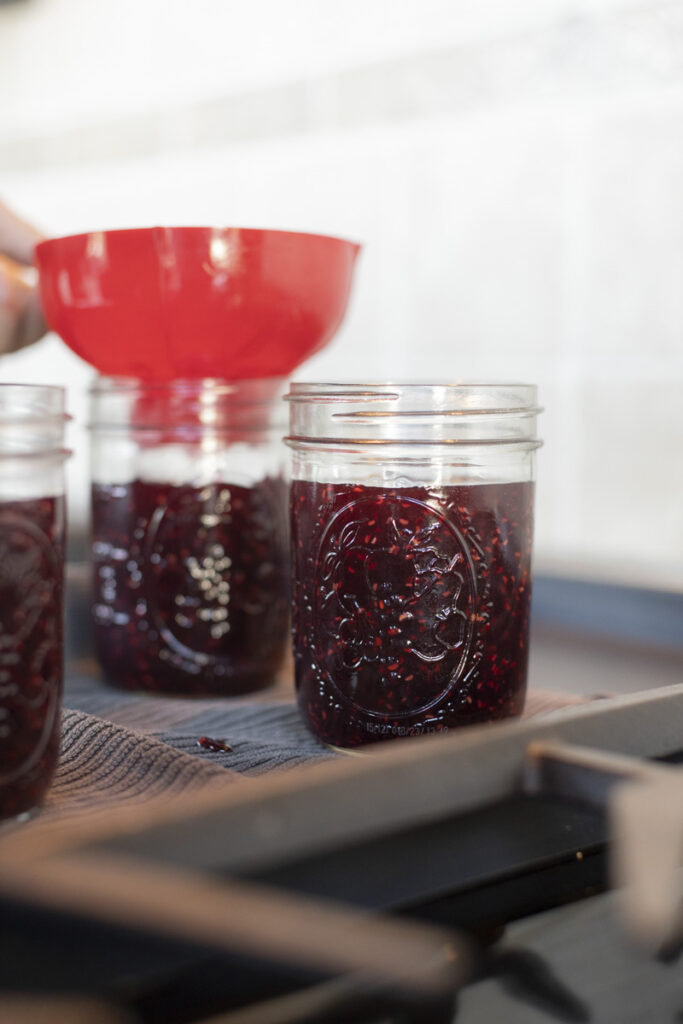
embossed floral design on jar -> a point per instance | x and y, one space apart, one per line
31 592
411 521
395 586
189 536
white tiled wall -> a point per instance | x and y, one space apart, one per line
514 170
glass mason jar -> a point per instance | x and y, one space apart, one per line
189 527
32 521
411 529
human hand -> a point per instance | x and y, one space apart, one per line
21 317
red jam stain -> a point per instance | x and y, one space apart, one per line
206 743
191 585
411 612
31 649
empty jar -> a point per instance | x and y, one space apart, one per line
32 519
411 521
190 549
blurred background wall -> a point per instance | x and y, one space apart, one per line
515 171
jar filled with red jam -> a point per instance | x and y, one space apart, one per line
32 456
411 522
189 534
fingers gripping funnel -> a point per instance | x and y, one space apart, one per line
167 303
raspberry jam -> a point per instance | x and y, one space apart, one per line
412 606
191 585
31 591
207 743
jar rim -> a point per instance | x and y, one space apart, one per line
33 418
389 413
300 390
20 386
299 441
37 454
37 401
205 404
222 385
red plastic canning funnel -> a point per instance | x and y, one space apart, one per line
165 303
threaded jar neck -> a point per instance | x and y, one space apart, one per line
33 419
189 407
413 414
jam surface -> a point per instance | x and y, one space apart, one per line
191 585
411 609
31 649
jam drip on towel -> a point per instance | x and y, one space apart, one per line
411 612
31 649
191 585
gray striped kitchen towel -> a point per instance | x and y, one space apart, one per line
263 732
119 747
